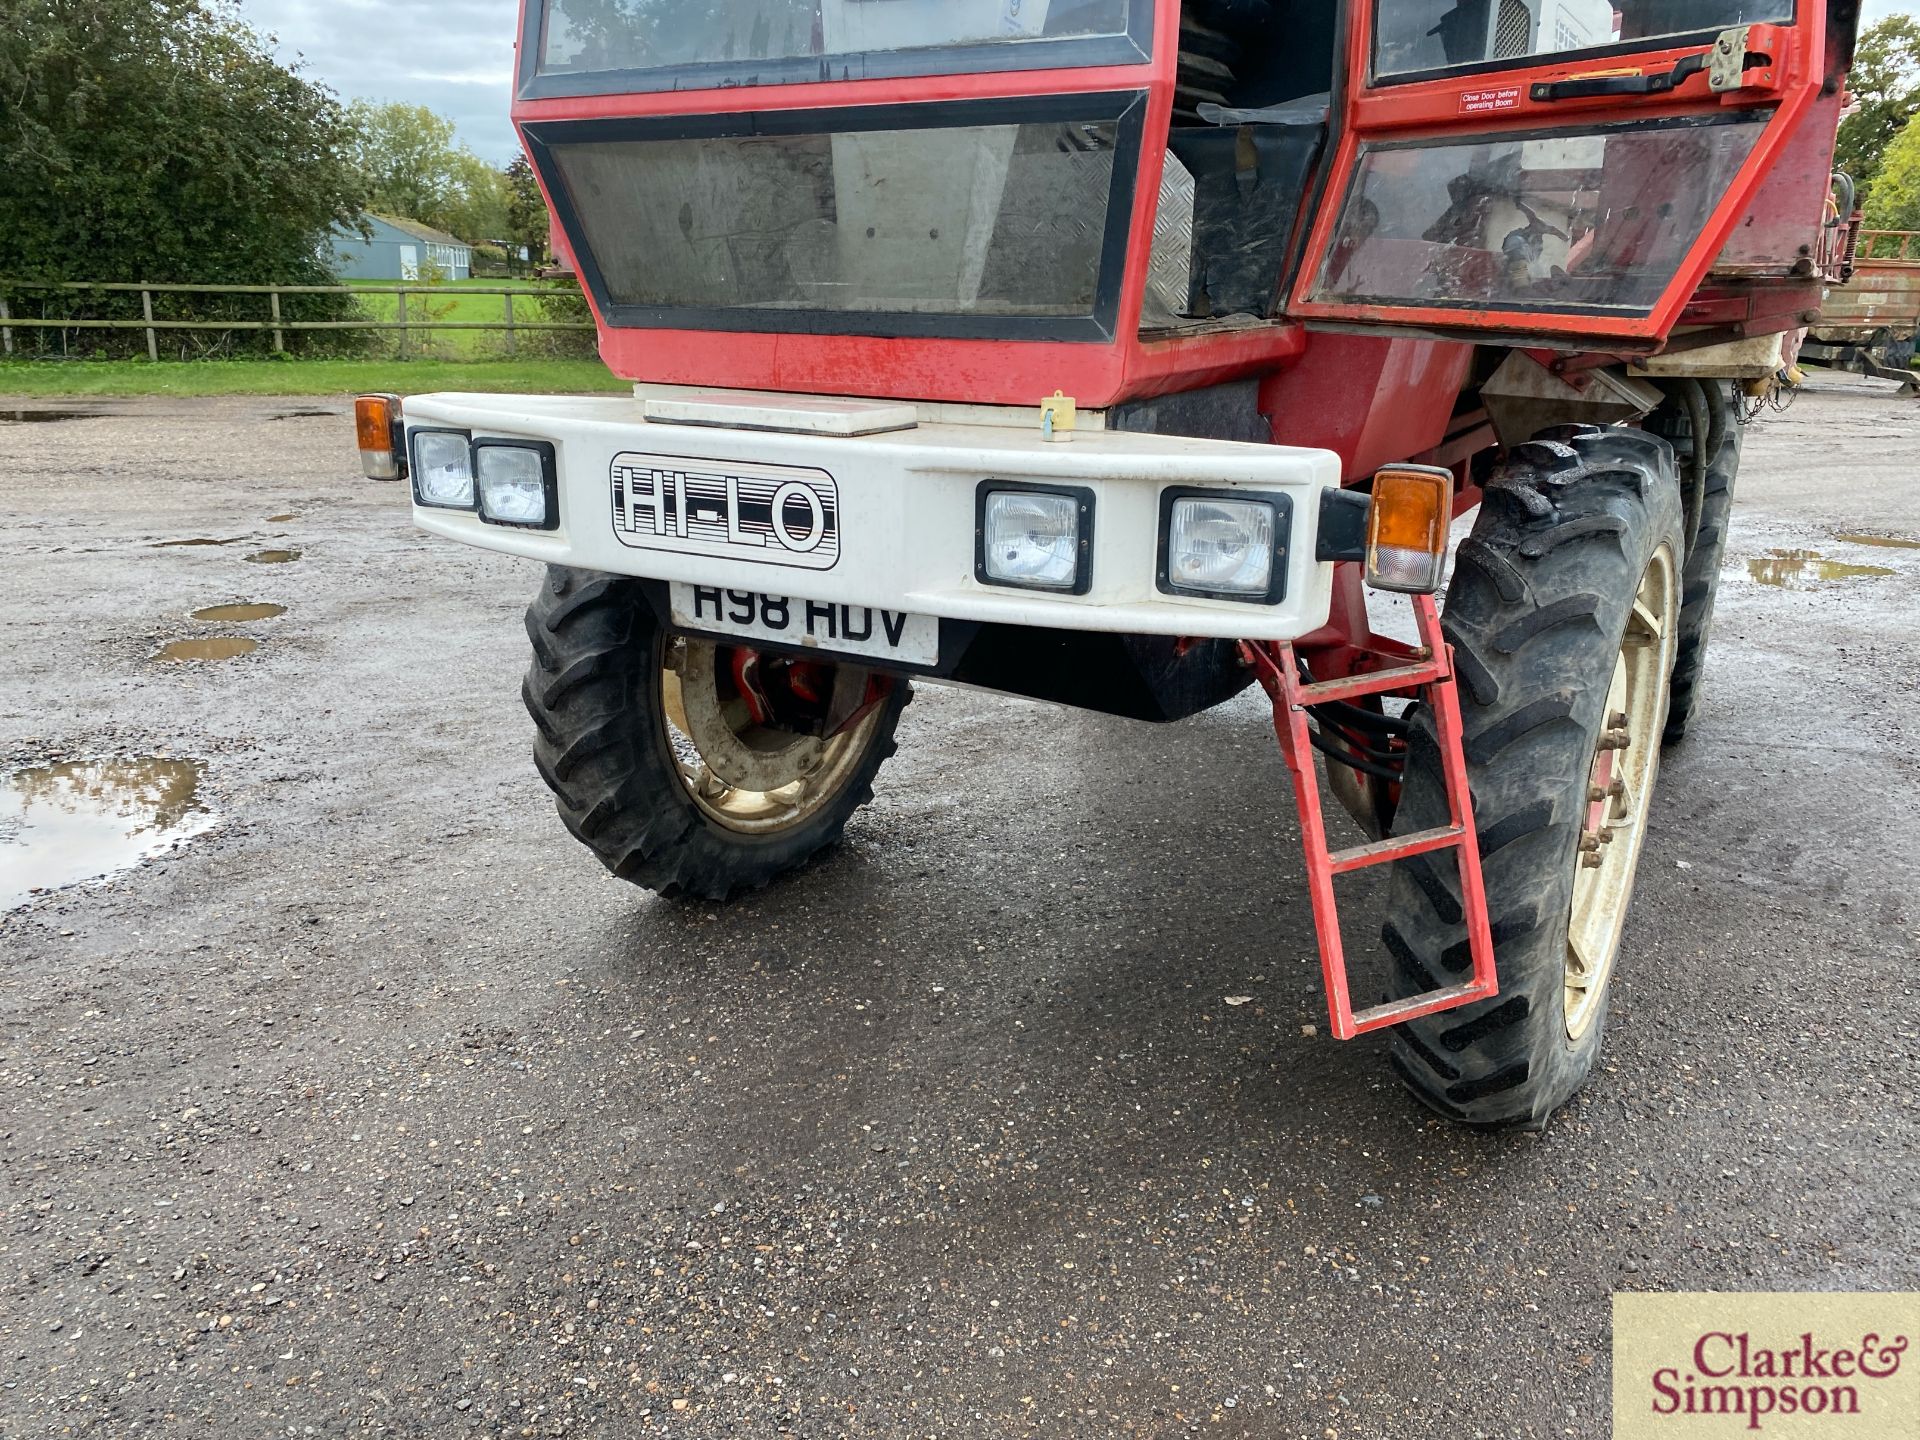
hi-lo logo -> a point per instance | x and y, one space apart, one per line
768 514
1792 1365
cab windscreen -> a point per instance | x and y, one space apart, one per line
907 220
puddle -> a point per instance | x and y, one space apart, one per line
273 557
86 820
198 540
45 417
236 614
311 415
218 647
1882 542
1808 570
281 519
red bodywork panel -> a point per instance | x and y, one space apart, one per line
1370 399
1777 233
971 372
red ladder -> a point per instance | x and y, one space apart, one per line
1432 675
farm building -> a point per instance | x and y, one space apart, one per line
399 250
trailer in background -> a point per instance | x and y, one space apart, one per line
1870 324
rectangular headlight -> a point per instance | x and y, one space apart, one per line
1036 537
518 483
1224 545
443 469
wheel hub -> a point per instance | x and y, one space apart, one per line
739 735
758 748
1619 791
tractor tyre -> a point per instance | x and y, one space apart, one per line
1700 581
1563 618
662 765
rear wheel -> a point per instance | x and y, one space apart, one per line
691 767
1700 581
1564 616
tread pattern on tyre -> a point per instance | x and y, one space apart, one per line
1535 613
601 747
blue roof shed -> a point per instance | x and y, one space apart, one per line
399 250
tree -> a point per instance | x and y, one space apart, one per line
1895 201
1886 82
160 140
527 221
407 159
413 166
478 211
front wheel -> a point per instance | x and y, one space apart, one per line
1564 617
690 767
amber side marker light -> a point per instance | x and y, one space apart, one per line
376 420
1407 528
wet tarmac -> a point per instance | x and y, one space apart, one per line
382 1109
273 557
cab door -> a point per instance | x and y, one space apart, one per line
1560 170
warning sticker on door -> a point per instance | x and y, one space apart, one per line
1481 102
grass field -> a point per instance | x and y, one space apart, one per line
40 378
449 301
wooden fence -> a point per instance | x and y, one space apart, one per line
405 326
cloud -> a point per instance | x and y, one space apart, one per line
453 56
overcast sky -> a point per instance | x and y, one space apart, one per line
453 56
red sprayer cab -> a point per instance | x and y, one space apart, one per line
986 201
1112 353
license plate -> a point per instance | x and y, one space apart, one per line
814 624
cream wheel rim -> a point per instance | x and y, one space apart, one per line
750 778
1620 780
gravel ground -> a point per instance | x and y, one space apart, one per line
380 1108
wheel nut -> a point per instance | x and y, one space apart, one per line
1616 740
1617 719
1590 842
1591 861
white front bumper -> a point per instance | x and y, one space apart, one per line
906 522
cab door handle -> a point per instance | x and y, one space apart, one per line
1582 88
1727 61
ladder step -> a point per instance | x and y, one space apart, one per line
1400 677
1394 1012
1395 847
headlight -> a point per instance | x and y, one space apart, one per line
1039 538
517 483
1224 546
443 469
